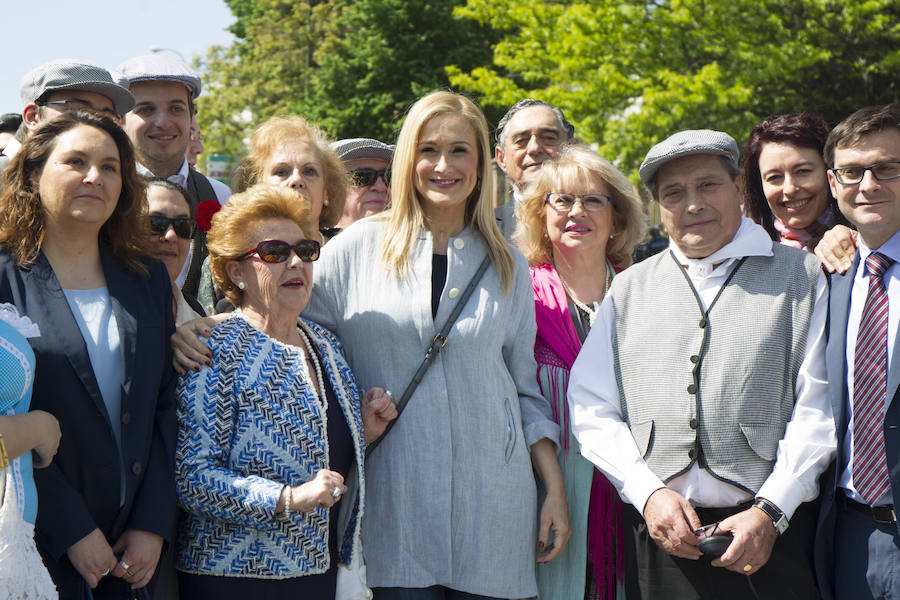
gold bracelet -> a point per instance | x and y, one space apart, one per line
4 458
289 498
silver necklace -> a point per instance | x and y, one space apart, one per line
590 311
319 394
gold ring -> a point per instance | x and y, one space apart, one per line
748 567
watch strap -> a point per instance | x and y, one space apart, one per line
778 518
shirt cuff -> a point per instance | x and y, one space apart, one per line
787 494
639 485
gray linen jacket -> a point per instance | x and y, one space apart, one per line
450 492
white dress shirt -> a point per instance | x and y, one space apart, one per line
12 148
891 249
809 441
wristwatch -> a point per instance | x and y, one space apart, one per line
778 518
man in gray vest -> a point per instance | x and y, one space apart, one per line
530 132
159 126
701 393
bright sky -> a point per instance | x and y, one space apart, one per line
104 32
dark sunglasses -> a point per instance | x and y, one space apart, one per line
183 226
277 251
368 177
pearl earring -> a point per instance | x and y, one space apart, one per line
241 285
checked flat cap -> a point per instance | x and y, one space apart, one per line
71 74
156 67
358 148
686 143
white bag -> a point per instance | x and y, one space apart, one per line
351 581
22 573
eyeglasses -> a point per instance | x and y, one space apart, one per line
277 251
73 104
563 203
883 171
368 177
183 226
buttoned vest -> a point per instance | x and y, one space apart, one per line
715 388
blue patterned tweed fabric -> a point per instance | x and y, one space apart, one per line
248 425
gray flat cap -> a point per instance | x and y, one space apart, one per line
71 74
359 148
157 67
686 143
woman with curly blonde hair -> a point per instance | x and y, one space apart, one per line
578 224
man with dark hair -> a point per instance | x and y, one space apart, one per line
530 132
701 391
63 85
858 543
160 127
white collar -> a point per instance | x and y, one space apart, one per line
180 177
750 240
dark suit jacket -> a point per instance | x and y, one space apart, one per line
80 490
836 365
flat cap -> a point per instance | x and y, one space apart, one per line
359 148
157 67
71 74
686 143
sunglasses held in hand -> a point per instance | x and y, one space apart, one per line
278 251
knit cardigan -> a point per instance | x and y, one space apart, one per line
249 425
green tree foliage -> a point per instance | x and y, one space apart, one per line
628 73
353 67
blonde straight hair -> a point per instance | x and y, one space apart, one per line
405 218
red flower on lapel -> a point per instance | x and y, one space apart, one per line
205 212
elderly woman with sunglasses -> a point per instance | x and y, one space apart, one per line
271 428
578 224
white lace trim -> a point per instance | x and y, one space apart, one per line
21 323
22 574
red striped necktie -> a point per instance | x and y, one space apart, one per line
870 474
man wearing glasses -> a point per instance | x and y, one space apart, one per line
64 85
530 132
701 392
858 544
369 163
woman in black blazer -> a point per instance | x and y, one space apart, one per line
73 258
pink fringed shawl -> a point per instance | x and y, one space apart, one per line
556 347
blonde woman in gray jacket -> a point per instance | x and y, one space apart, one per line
450 491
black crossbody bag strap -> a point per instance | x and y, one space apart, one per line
440 339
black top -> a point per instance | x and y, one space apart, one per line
438 279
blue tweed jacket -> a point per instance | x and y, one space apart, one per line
248 425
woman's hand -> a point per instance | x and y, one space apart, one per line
555 511
140 552
555 518
837 249
92 557
378 409
189 353
48 436
317 492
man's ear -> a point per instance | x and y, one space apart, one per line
501 159
31 116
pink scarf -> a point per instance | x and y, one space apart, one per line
807 238
557 342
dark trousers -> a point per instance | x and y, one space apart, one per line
866 557
435 592
651 573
